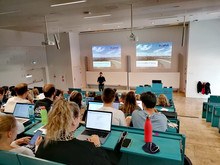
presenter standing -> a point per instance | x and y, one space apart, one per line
101 81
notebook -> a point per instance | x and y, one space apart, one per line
98 123
93 105
21 112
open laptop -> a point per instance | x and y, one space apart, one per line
97 123
21 113
139 103
94 105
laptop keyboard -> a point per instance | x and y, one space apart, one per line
94 132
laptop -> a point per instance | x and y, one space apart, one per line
94 105
139 103
98 123
21 113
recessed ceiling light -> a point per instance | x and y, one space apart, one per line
98 16
67 3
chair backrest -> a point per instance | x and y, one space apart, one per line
8 158
214 99
24 160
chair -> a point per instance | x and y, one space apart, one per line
8 158
24 160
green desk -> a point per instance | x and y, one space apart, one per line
170 109
30 132
170 152
215 116
172 146
210 108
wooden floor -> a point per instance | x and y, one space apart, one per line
202 140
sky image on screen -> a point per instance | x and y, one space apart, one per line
154 55
107 56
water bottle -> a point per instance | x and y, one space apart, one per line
31 113
43 113
148 130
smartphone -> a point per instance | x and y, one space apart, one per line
126 143
34 138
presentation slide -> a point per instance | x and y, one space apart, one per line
154 55
107 56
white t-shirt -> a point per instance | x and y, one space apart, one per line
10 105
20 126
23 150
118 116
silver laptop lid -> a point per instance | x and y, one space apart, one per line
99 120
21 110
93 105
139 103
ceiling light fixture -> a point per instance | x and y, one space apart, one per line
67 3
9 12
98 16
109 24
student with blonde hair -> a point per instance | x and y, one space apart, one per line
61 146
162 101
8 133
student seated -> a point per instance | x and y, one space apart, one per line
130 104
22 94
162 101
61 146
158 120
59 94
76 97
8 133
108 97
49 93
2 93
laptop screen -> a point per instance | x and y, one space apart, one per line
21 110
98 105
139 103
99 120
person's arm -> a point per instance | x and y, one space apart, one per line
122 120
20 127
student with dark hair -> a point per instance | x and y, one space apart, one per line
22 93
108 97
101 81
130 104
6 94
2 92
158 120
59 94
49 93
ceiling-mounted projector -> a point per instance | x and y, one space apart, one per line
133 37
48 42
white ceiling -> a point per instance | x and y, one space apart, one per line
28 15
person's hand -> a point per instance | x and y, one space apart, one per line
24 140
38 141
94 139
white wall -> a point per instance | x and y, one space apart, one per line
75 60
151 35
203 57
17 51
59 63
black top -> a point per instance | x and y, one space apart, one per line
44 102
101 80
74 151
